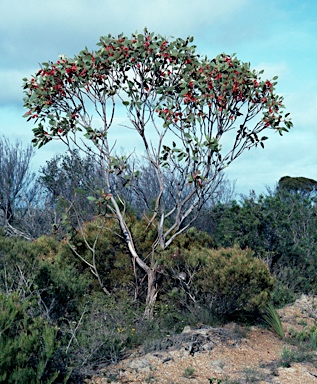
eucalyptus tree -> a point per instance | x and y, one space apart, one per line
302 185
180 106
17 188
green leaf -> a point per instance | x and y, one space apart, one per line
181 156
91 198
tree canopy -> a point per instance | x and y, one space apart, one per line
302 185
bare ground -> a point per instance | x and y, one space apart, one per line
232 354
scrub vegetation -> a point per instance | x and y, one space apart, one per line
103 251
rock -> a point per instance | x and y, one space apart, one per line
207 347
187 329
139 363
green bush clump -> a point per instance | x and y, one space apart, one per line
279 227
46 270
29 347
291 355
227 281
235 279
307 337
98 242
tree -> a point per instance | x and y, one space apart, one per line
67 180
180 106
301 185
17 189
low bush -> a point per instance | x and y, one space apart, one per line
29 347
226 281
290 356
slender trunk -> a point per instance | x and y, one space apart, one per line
152 291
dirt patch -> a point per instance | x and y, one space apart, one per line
232 354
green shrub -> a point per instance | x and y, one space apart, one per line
112 257
290 356
18 265
235 279
228 281
307 337
62 286
46 270
283 295
29 350
103 333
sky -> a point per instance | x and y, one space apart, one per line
279 36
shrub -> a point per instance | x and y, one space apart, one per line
229 280
290 356
236 280
98 243
101 334
43 269
29 349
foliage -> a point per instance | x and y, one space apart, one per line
303 185
178 104
103 335
44 270
291 355
281 229
189 373
108 259
307 337
28 345
272 319
228 281
236 280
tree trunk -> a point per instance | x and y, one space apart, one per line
152 291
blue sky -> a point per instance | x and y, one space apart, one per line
279 36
